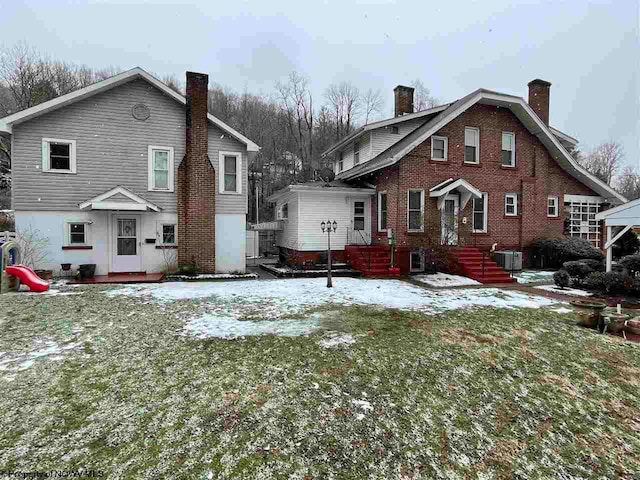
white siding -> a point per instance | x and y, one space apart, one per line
288 236
231 243
383 138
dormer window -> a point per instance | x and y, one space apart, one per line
395 130
356 152
340 162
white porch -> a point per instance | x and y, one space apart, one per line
617 222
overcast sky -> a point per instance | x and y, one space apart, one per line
589 50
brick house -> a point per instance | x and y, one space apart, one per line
488 167
131 176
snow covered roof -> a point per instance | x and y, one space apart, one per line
7 122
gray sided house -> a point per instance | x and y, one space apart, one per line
100 171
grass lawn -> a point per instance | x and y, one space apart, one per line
131 382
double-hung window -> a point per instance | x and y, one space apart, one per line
471 145
382 211
511 204
552 207
283 212
58 156
161 169
77 234
508 153
340 162
480 211
230 172
416 261
356 152
439 147
168 233
415 211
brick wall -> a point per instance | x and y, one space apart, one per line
196 183
535 177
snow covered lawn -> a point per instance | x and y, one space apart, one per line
445 280
372 379
574 292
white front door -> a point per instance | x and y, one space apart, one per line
449 220
360 222
126 244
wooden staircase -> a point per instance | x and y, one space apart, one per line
484 270
371 260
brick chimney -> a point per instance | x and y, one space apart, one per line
539 98
196 185
403 97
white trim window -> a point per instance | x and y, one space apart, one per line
77 234
340 162
508 152
552 206
160 169
168 234
480 215
511 204
382 211
439 148
58 156
356 152
230 172
283 211
415 210
416 261
471 145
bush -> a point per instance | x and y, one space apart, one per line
578 270
562 278
628 244
616 282
595 281
631 263
554 253
596 265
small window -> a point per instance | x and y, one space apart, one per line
552 207
77 234
58 156
395 130
161 169
230 169
356 153
511 204
439 147
382 211
168 234
358 215
508 149
283 212
416 210
480 207
416 261
471 145
341 162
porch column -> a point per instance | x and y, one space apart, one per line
609 250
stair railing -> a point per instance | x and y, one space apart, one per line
368 250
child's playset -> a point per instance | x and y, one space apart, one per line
12 273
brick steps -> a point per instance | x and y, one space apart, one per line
471 264
372 260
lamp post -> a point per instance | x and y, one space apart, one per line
328 226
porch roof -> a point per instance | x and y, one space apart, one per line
119 198
466 190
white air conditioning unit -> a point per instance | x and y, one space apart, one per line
509 261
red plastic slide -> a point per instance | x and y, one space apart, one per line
28 277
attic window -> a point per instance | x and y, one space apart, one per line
395 130
356 152
140 112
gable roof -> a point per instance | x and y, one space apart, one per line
7 122
519 107
627 211
119 198
335 186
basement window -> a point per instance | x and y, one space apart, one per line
230 168
58 156
416 261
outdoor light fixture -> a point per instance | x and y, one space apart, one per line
328 226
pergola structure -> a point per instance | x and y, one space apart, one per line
623 218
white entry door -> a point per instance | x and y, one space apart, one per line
449 220
126 255
360 222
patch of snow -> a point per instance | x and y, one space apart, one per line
275 299
336 339
445 280
23 361
214 276
574 292
364 405
534 276
562 310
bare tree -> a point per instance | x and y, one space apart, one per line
296 103
345 105
34 247
372 103
628 183
422 99
604 161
